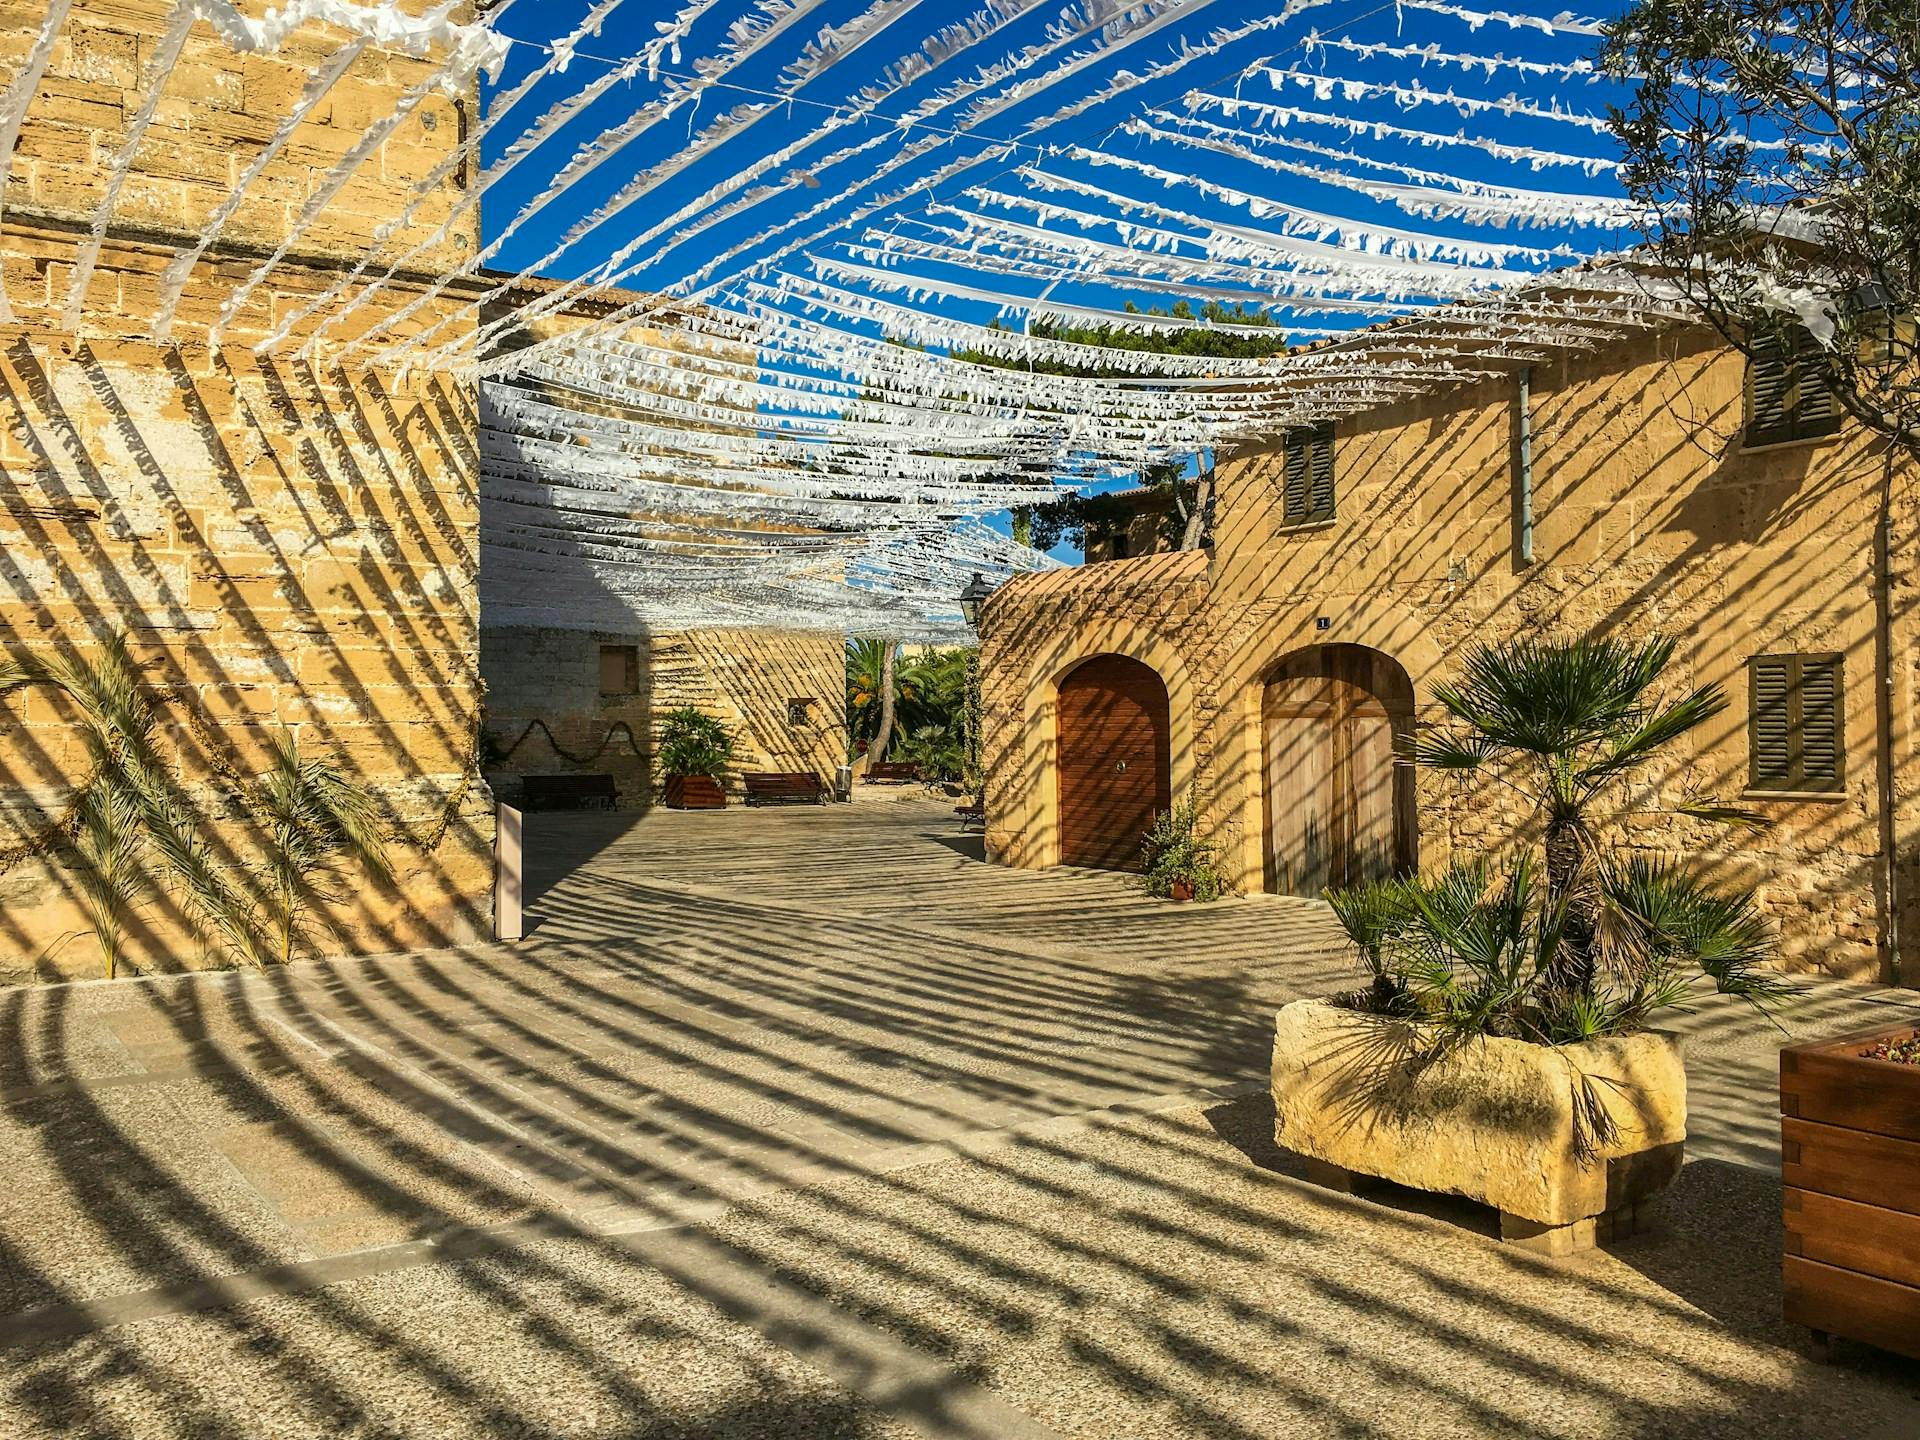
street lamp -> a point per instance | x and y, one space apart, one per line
976 594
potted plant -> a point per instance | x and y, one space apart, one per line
1850 1141
1178 864
694 749
1502 1047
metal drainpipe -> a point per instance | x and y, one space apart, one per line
1883 716
1523 519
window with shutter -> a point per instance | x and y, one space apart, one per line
1786 397
1795 728
619 669
1307 494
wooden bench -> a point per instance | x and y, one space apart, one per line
788 788
568 792
893 772
970 814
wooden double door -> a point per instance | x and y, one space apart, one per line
1112 760
1339 807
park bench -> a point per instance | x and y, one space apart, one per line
784 788
568 792
970 814
893 772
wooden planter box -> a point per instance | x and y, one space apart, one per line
694 792
1850 1167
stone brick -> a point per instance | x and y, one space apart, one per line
215 507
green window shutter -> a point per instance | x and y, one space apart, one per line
1787 398
1294 502
1320 474
1796 730
1817 412
1769 395
1770 730
1308 486
1820 726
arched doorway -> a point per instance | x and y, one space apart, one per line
1339 809
1112 726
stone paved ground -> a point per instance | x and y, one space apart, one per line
806 1123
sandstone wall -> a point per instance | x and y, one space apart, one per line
1650 516
546 714
284 543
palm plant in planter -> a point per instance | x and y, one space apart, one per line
694 749
1562 724
1500 1048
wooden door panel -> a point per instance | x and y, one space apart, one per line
1337 804
1300 816
1299 713
1369 852
1112 725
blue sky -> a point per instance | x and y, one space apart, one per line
541 21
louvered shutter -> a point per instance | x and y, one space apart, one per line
1771 727
1769 395
1320 474
1820 759
1796 725
1308 493
1787 398
1816 412
1294 507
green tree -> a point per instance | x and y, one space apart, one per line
1775 150
930 695
1066 519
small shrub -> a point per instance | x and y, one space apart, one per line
693 743
937 752
1173 852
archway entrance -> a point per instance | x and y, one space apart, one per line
1112 761
1339 809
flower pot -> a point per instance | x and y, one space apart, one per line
1850 1133
694 792
1494 1121
1181 890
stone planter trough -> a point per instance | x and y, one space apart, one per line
1493 1122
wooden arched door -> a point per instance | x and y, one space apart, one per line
1339 808
1112 763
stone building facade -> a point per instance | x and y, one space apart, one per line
283 543
565 702
1649 511
585 693
1129 524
